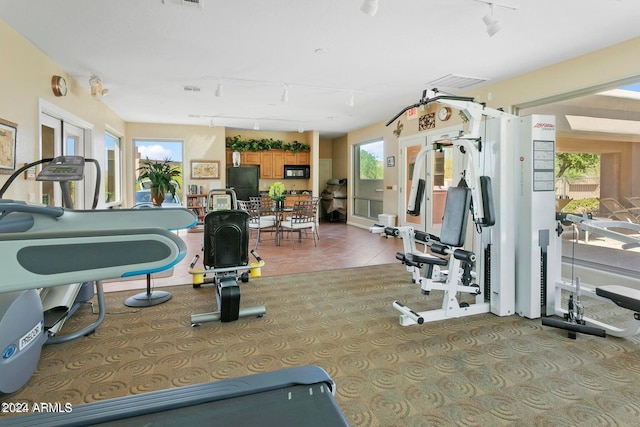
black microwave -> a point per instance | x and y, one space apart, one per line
297 172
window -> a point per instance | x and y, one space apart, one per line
369 172
159 150
112 169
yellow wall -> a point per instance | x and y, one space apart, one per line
25 80
604 66
199 143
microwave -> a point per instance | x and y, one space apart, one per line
297 172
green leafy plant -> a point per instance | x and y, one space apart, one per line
276 191
236 143
161 175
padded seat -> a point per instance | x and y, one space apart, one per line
426 259
622 296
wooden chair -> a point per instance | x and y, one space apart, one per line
258 222
302 218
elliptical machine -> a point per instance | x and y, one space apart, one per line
30 318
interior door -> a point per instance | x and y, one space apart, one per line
440 169
61 138
409 148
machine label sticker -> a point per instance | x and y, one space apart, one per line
30 336
543 166
9 351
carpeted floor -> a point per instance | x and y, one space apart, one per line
482 370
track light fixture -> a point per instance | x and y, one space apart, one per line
220 90
285 94
351 100
256 126
370 7
493 25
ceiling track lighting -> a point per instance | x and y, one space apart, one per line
300 128
256 126
96 87
220 90
370 7
285 94
492 24
350 100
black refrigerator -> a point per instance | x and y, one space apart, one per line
244 180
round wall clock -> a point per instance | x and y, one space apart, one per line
444 113
59 86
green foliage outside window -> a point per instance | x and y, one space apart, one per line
370 166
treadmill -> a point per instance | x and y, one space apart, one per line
299 396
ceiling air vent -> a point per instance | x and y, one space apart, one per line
455 81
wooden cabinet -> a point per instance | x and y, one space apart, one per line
197 203
246 157
250 158
291 199
272 164
301 158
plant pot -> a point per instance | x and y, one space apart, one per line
157 197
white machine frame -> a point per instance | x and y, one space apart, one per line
497 142
554 295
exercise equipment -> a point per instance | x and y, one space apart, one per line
226 252
48 247
488 262
289 397
458 279
539 282
574 318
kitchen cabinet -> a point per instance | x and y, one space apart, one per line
272 164
300 158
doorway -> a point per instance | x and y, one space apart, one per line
63 134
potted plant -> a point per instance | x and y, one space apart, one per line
161 177
276 192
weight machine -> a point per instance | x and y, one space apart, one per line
488 147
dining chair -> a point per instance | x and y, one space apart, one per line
258 223
300 219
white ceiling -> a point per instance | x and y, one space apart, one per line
147 51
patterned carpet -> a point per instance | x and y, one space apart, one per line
482 370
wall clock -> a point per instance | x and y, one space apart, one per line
444 113
58 86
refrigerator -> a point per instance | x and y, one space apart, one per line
244 180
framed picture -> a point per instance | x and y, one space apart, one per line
391 161
205 169
8 132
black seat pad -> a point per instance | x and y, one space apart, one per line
621 295
426 259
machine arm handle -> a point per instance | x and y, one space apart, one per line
8 206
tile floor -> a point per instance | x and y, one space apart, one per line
340 246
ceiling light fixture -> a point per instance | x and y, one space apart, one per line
256 126
285 94
492 24
300 128
351 100
220 90
370 7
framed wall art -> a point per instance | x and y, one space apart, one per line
8 138
391 161
205 169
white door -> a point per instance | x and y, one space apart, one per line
442 168
61 138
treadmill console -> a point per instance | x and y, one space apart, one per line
63 168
